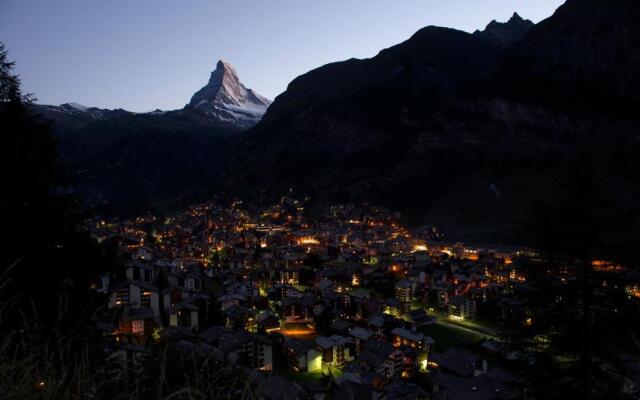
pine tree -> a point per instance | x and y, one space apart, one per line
43 251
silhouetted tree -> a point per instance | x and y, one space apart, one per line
42 250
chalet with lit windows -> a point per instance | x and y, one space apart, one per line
360 336
236 262
478 294
441 292
239 317
127 245
193 313
382 358
339 303
187 282
227 301
135 325
403 290
403 337
298 309
245 289
184 314
140 272
289 276
238 347
419 319
335 349
249 350
393 307
137 295
462 307
303 355
361 303
193 281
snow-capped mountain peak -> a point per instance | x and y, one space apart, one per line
228 100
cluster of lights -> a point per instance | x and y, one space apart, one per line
308 241
634 291
419 247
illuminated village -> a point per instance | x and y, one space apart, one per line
349 298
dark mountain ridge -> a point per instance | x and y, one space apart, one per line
504 34
455 129
585 57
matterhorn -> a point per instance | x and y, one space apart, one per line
226 99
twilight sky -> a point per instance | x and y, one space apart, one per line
147 54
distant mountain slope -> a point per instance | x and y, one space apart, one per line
87 131
122 162
71 117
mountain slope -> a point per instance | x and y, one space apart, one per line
360 109
448 128
319 110
123 162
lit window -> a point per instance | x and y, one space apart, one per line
137 327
